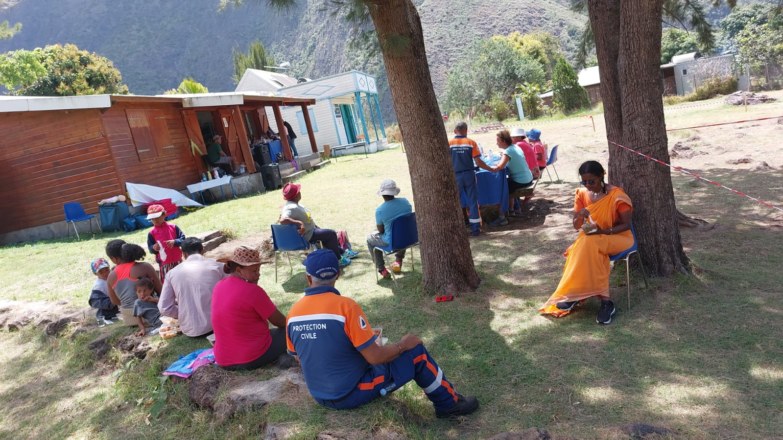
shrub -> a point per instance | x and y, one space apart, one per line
708 89
499 109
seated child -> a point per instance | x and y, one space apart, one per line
145 309
99 296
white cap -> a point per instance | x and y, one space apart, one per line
518 132
388 188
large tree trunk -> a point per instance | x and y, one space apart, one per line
628 45
445 249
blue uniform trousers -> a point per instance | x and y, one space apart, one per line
414 364
468 191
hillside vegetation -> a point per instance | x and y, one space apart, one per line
157 43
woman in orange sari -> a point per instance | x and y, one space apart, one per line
602 215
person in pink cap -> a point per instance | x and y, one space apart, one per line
295 214
164 240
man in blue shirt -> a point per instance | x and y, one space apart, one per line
391 208
343 363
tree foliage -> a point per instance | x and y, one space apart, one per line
188 86
540 46
255 58
762 44
686 14
7 30
676 42
58 70
531 102
569 96
490 68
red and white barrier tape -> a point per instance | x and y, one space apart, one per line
697 176
724 123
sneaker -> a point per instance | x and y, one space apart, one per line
397 267
566 305
344 261
606 312
108 321
384 273
350 253
500 221
463 407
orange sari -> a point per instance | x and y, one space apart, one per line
586 271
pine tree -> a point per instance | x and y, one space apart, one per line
569 96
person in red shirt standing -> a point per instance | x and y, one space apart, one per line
241 313
164 240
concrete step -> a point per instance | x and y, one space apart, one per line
319 165
293 176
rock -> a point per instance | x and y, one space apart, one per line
749 98
135 345
227 394
253 395
100 346
280 432
205 384
763 166
739 161
56 327
642 430
528 434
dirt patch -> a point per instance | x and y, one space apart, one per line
528 434
688 148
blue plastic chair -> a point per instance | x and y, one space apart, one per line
551 162
75 213
404 235
625 256
286 238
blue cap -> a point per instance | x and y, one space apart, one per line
322 264
534 134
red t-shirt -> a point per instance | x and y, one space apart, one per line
240 311
530 155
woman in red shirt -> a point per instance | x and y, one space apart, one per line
241 312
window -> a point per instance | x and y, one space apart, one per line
302 125
150 133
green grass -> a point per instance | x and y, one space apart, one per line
699 355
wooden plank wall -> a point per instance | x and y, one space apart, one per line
168 163
49 158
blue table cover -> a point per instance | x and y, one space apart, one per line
492 190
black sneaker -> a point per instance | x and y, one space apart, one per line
606 312
566 305
463 407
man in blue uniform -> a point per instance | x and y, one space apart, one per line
465 156
343 364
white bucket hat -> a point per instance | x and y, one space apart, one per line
518 132
388 188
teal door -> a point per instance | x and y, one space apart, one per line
348 122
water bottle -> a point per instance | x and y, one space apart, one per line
217 175
388 389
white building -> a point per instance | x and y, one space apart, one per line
347 110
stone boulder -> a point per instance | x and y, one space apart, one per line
227 394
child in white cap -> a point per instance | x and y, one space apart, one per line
99 296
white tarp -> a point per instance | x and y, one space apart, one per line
141 194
